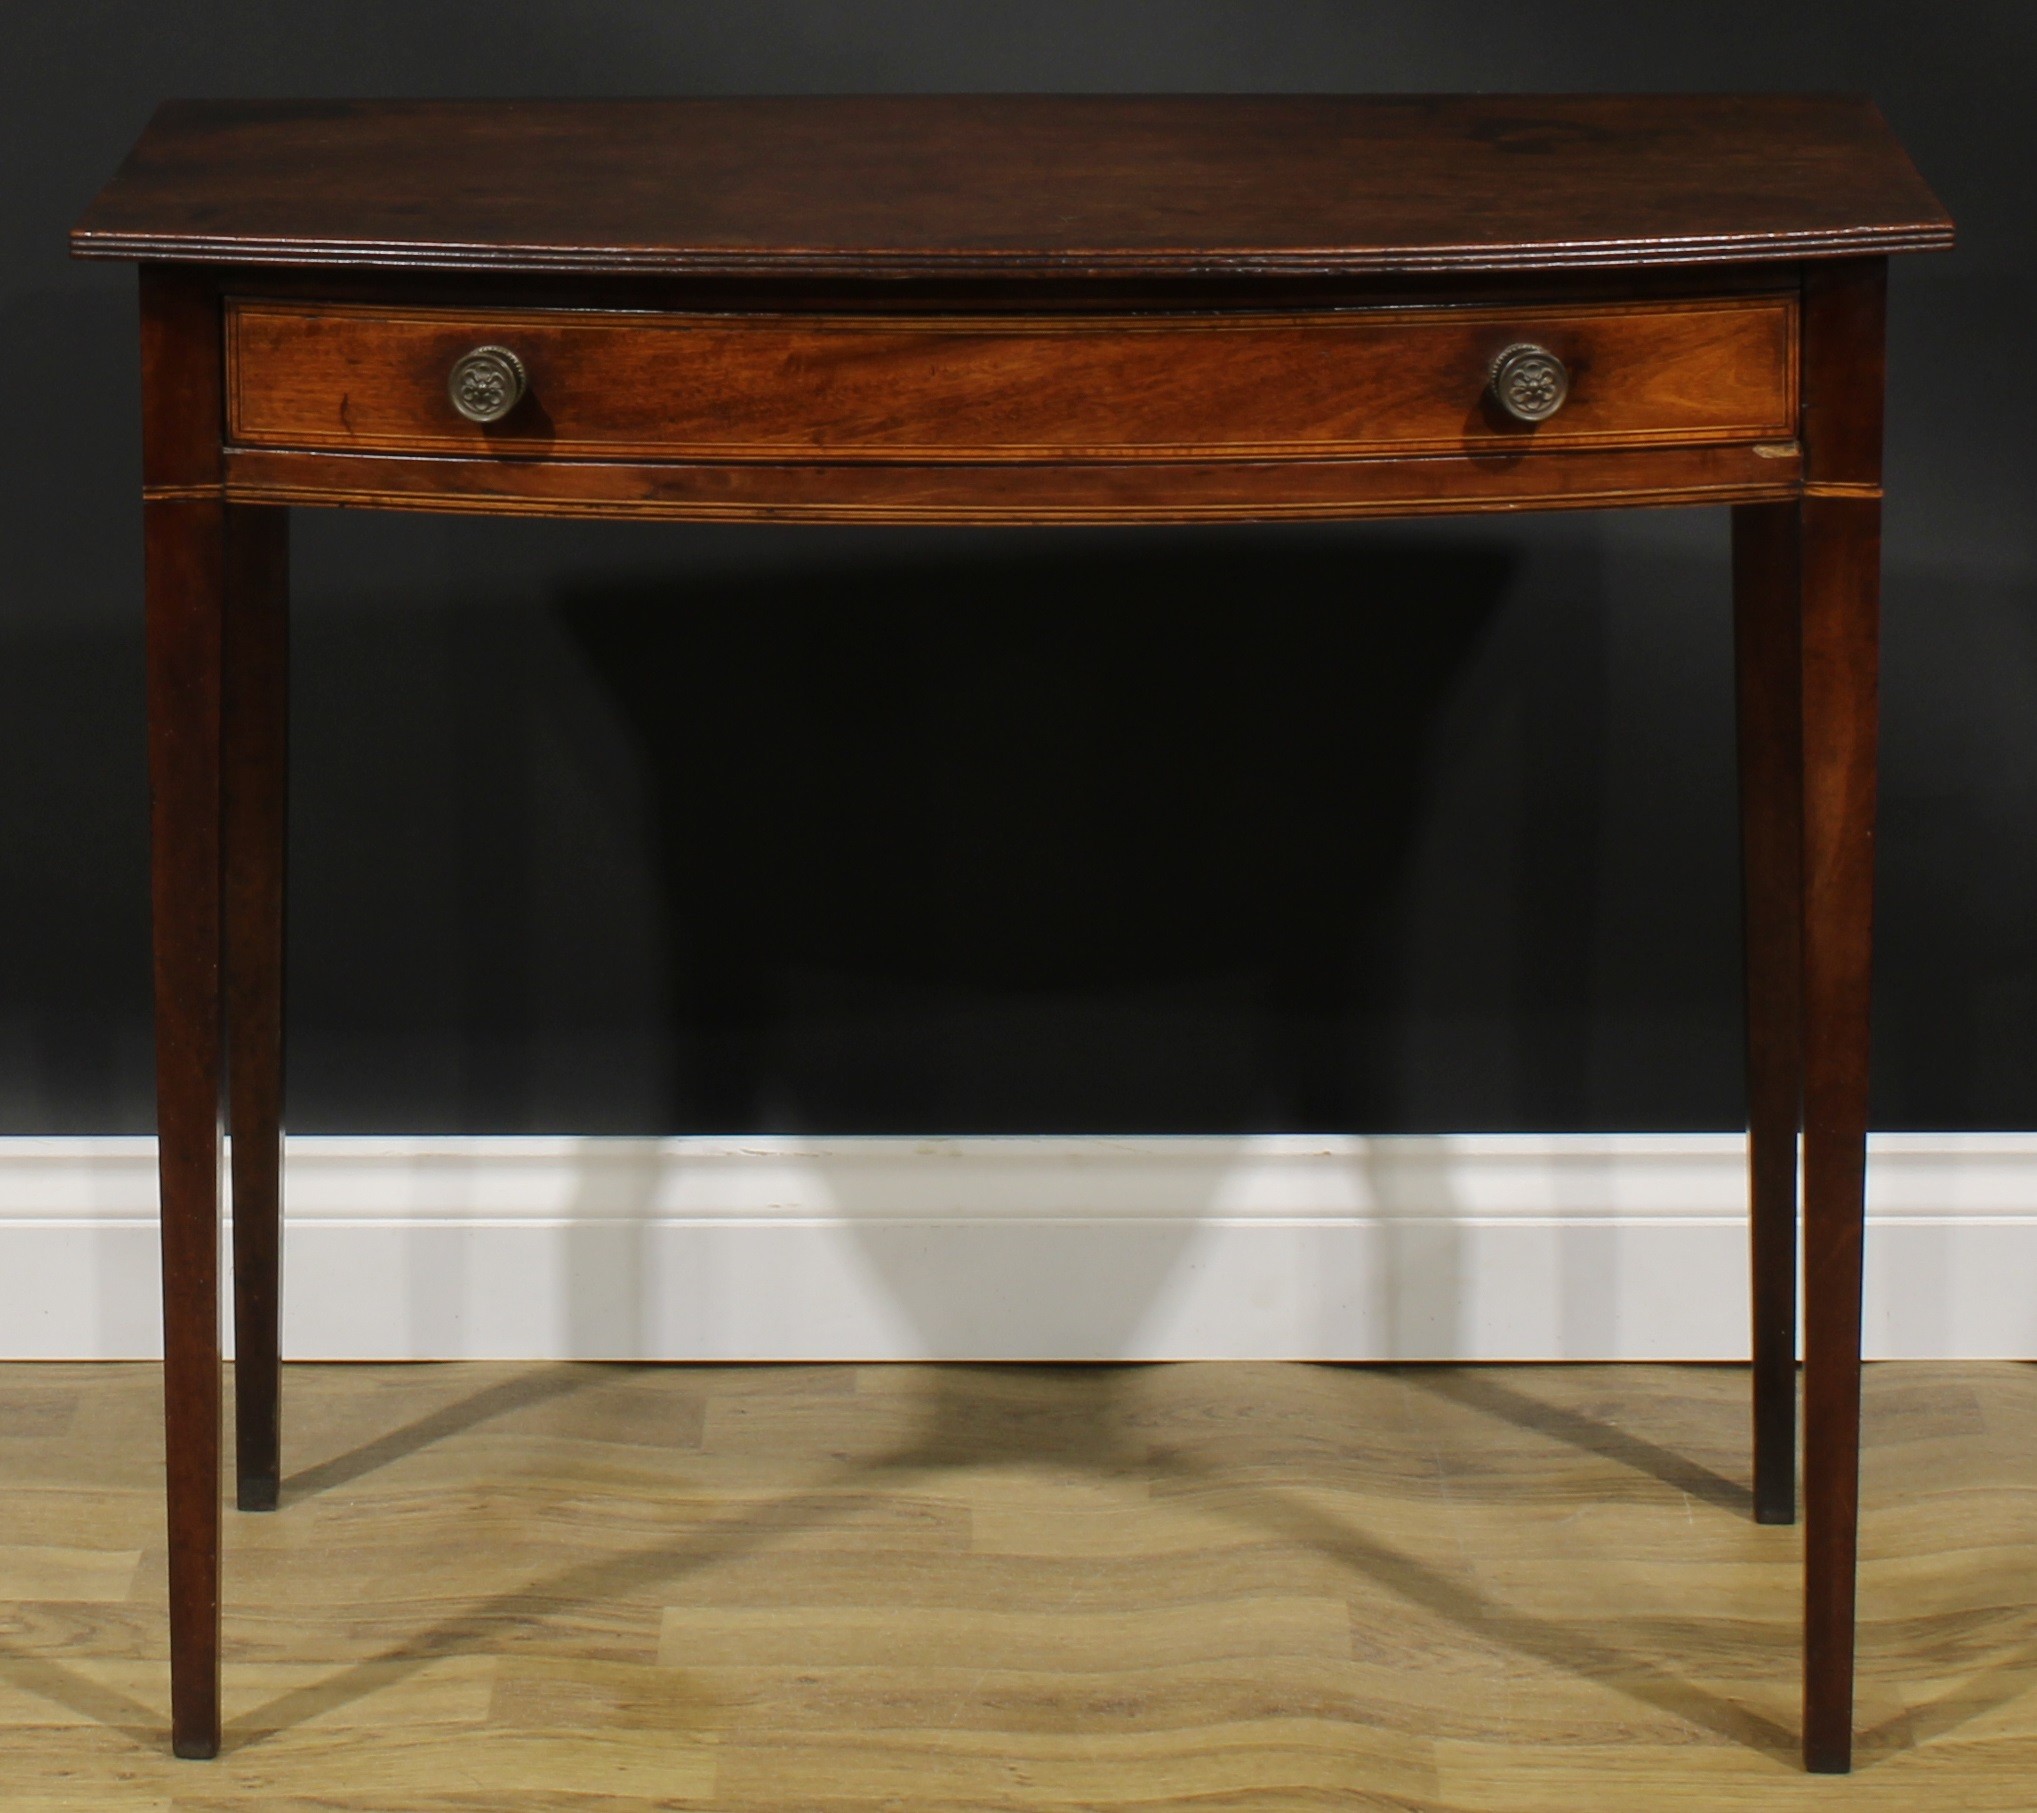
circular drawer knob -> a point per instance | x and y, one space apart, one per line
1530 382
486 384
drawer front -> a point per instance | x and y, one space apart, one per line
800 388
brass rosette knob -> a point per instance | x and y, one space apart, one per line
1530 382
487 383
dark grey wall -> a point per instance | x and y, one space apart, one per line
614 828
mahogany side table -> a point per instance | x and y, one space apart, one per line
1015 309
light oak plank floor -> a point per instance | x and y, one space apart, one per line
844 1589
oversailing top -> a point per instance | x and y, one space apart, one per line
1145 186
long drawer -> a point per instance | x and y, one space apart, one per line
619 385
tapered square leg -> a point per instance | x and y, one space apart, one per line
194 545
255 766
1841 584
1767 627
186 556
1839 536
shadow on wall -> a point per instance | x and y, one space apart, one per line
1040 842
996 1250
1029 843
1004 832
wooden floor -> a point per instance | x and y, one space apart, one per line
609 1589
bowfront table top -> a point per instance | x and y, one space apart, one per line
1017 185
1015 309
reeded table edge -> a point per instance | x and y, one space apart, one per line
731 261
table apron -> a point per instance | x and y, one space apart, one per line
1087 491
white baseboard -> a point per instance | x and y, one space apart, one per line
1587 1247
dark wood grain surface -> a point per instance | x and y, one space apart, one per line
1046 491
188 557
895 186
1845 310
255 790
1179 386
1768 638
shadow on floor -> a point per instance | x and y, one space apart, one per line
972 1420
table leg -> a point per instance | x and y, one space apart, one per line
1766 632
186 542
1841 539
254 765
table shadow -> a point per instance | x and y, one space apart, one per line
969 1425
107 1707
968 838
542 1385
1479 1390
